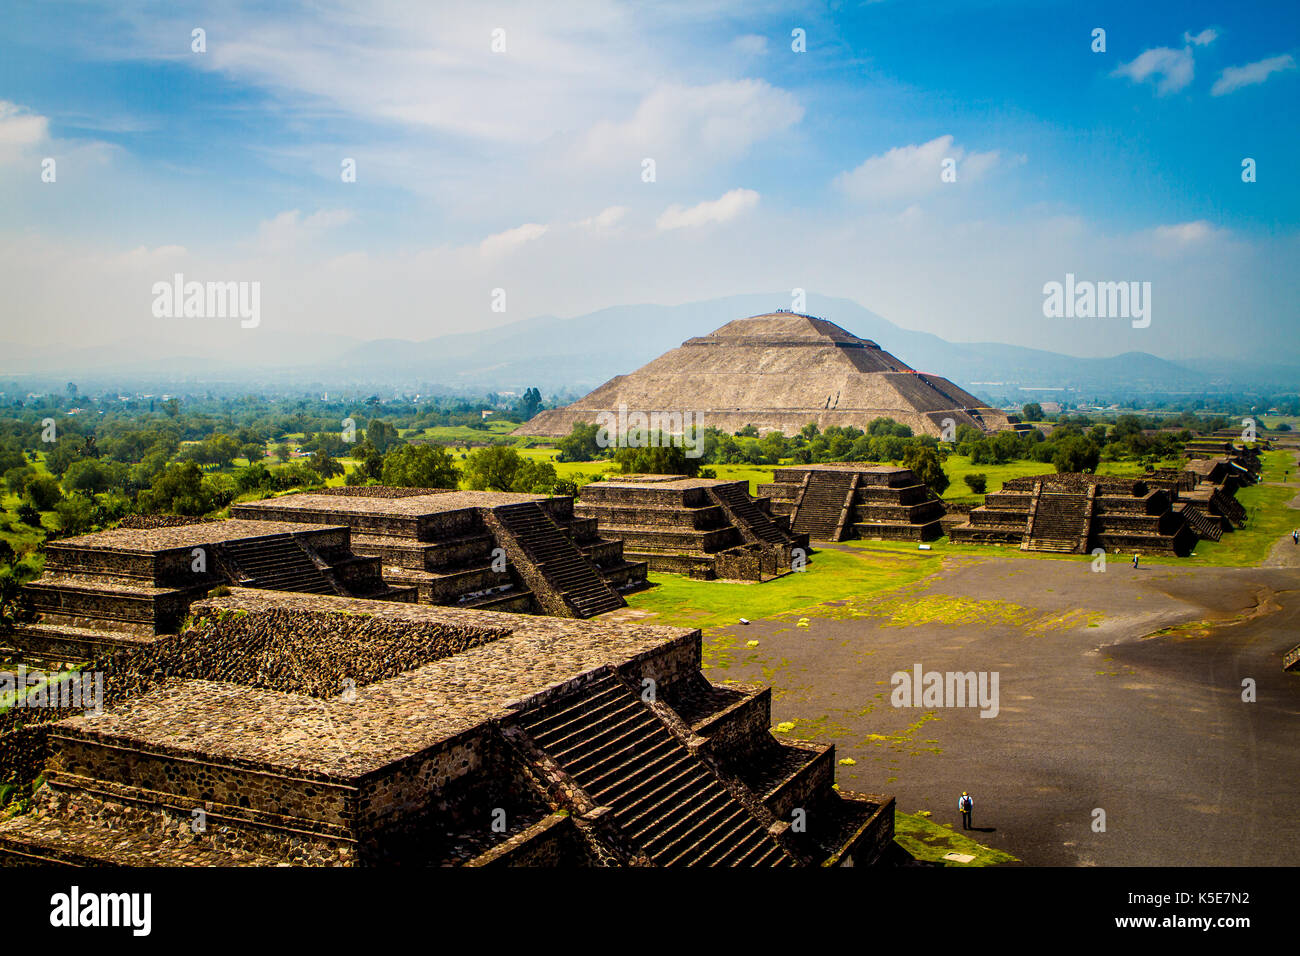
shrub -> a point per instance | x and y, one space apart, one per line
976 482
43 492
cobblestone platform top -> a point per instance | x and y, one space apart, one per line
181 536
346 736
667 481
409 505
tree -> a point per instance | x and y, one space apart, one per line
16 479
1032 412
251 477
493 468
420 466
659 458
283 452
925 464
976 482
531 403
29 515
253 452
1126 426
76 514
92 476
372 462
581 444
66 450
383 436
43 492
178 489
324 465
1075 453
537 478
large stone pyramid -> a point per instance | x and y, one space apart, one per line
779 372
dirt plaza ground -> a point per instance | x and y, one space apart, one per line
1119 691
1143 714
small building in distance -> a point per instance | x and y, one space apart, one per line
839 500
704 527
491 550
325 731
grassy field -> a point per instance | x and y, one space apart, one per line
830 576
927 840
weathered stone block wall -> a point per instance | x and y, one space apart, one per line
742 728
809 785
197 781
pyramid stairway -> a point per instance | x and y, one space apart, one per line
665 800
1058 523
1201 523
278 564
558 559
821 507
744 508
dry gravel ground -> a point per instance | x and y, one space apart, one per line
1094 714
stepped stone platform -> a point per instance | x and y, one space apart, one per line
777 372
489 550
122 588
841 500
1072 513
1244 458
705 527
431 736
1207 489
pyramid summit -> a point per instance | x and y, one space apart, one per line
778 372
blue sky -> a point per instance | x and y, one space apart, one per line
775 169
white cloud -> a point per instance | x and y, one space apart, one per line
1173 69
143 256
1185 233
725 208
604 220
504 242
680 125
1204 38
1235 77
20 130
751 44
906 172
289 229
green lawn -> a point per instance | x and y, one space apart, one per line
927 840
958 466
463 434
1278 464
830 576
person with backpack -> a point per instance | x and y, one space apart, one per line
966 805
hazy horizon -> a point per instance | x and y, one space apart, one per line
938 165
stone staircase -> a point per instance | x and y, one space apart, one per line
278 564
821 508
1057 523
1229 507
1201 523
558 559
744 508
663 799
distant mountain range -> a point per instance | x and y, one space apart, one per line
574 355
